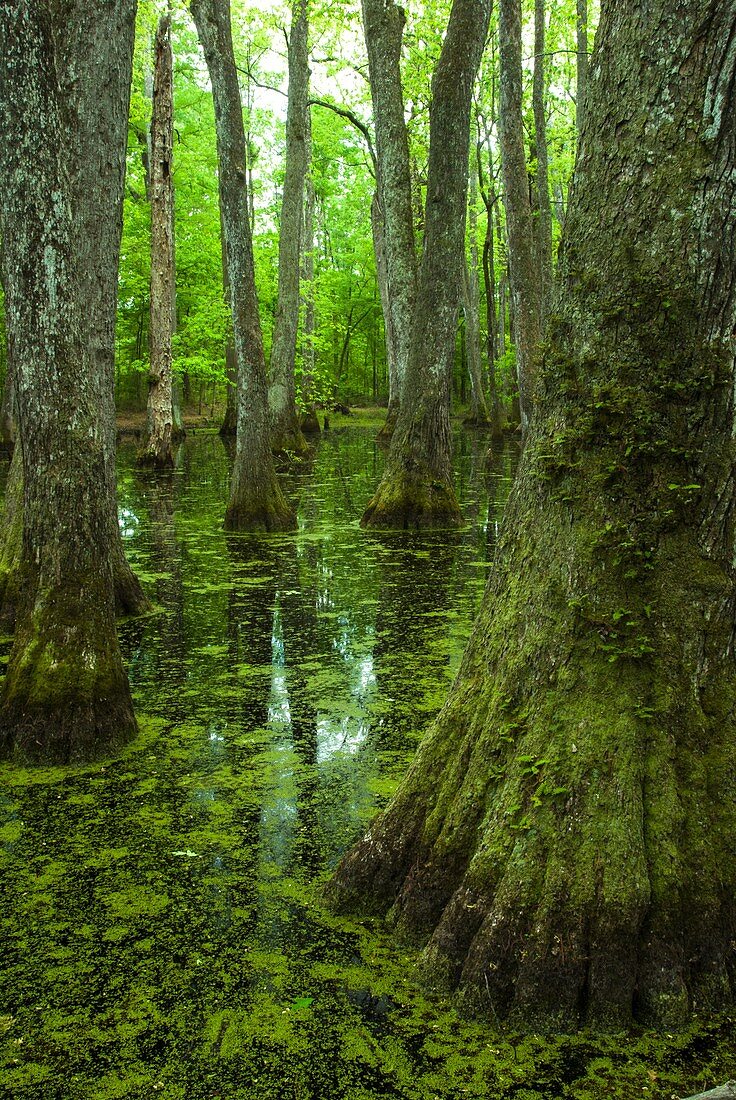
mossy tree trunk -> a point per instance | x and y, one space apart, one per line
256 500
416 489
157 450
286 435
94 105
383 25
524 273
564 839
66 693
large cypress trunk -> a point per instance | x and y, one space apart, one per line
383 25
66 692
286 434
564 839
256 500
95 101
416 488
157 449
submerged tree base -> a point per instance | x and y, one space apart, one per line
157 458
290 443
258 514
309 423
65 698
411 503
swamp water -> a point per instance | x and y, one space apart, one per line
161 926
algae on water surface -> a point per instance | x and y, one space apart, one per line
162 929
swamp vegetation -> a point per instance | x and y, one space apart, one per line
318 778
163 928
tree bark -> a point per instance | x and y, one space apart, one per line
157 449
7 410
94 105
565 835
494 344
256 500
523 270
286 435
378 226
229 427
383 24
94 113
582 62
66 693
416 488
544 216
309 421
479 409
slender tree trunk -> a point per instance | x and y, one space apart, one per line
471 312
494 347
157 449
394 382
416 489
565 836
383 23
286 435
479 414
310 423
525 284
582 62
544 216
229 427
256 500
66 693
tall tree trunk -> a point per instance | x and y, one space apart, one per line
378 225
582 62
479 409
544 216
286 435
66 693
95 106
310 423
494 346
383 24
471 312
229 425
157 449
523 270
565 836
256 500
416 488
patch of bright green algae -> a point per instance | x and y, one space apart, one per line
162 932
